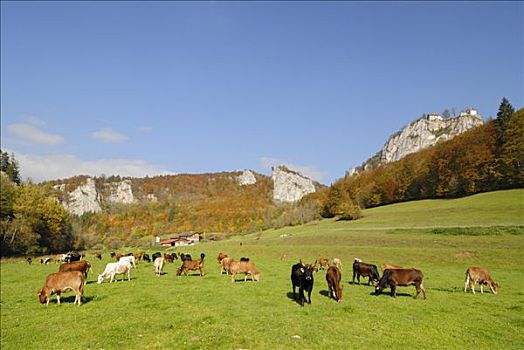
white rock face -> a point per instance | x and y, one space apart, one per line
246 178
121 192
423 133
290 186
84 199
152 198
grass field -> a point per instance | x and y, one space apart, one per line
440 237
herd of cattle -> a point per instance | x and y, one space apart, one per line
72 274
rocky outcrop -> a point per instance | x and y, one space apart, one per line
83 199
420 134
246 178
290 186
121 192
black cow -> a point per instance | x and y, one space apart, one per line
112 254
401 277
244 259
72 256
146 258
174 256
302 277
155 255
365 270
185 257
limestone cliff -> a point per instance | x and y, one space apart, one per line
121 192
290 186
246 178
83 199
420 134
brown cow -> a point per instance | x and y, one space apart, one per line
224 265
98 255
245 267
324 263
401 277
168 257
333 278
365 270
190 265
480 275
221 256
59 282
82 266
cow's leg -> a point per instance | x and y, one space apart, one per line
233 280
294 297
353 282
481 288
472 285
393 290
466 282
58 298
301 296
309 295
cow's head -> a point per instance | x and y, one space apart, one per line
100 279
42 296
494 287
308 272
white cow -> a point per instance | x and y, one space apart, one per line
159 265
115 268
130 259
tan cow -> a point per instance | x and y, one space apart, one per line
480 275
59 282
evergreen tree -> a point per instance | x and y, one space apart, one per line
504 114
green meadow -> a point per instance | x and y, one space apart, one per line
440 237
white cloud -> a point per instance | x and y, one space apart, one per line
109 135
311 172
33 134
52 167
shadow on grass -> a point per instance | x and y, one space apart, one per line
290 296
388 294
71 299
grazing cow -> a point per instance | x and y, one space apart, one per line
72 256
82 266
389 267
130 259
365 270
119 255
113 269
159 266
480 275
45 261
401 277
175 257
155 255
324 263
224 265
146 258
59 282
29 260
98 256
333 279
221 256
168 258
112 254
244 259
337 262
302 277
191 265
245 267
60 258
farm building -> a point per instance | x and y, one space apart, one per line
182 239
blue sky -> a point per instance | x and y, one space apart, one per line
136 88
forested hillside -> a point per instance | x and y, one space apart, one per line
487 158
